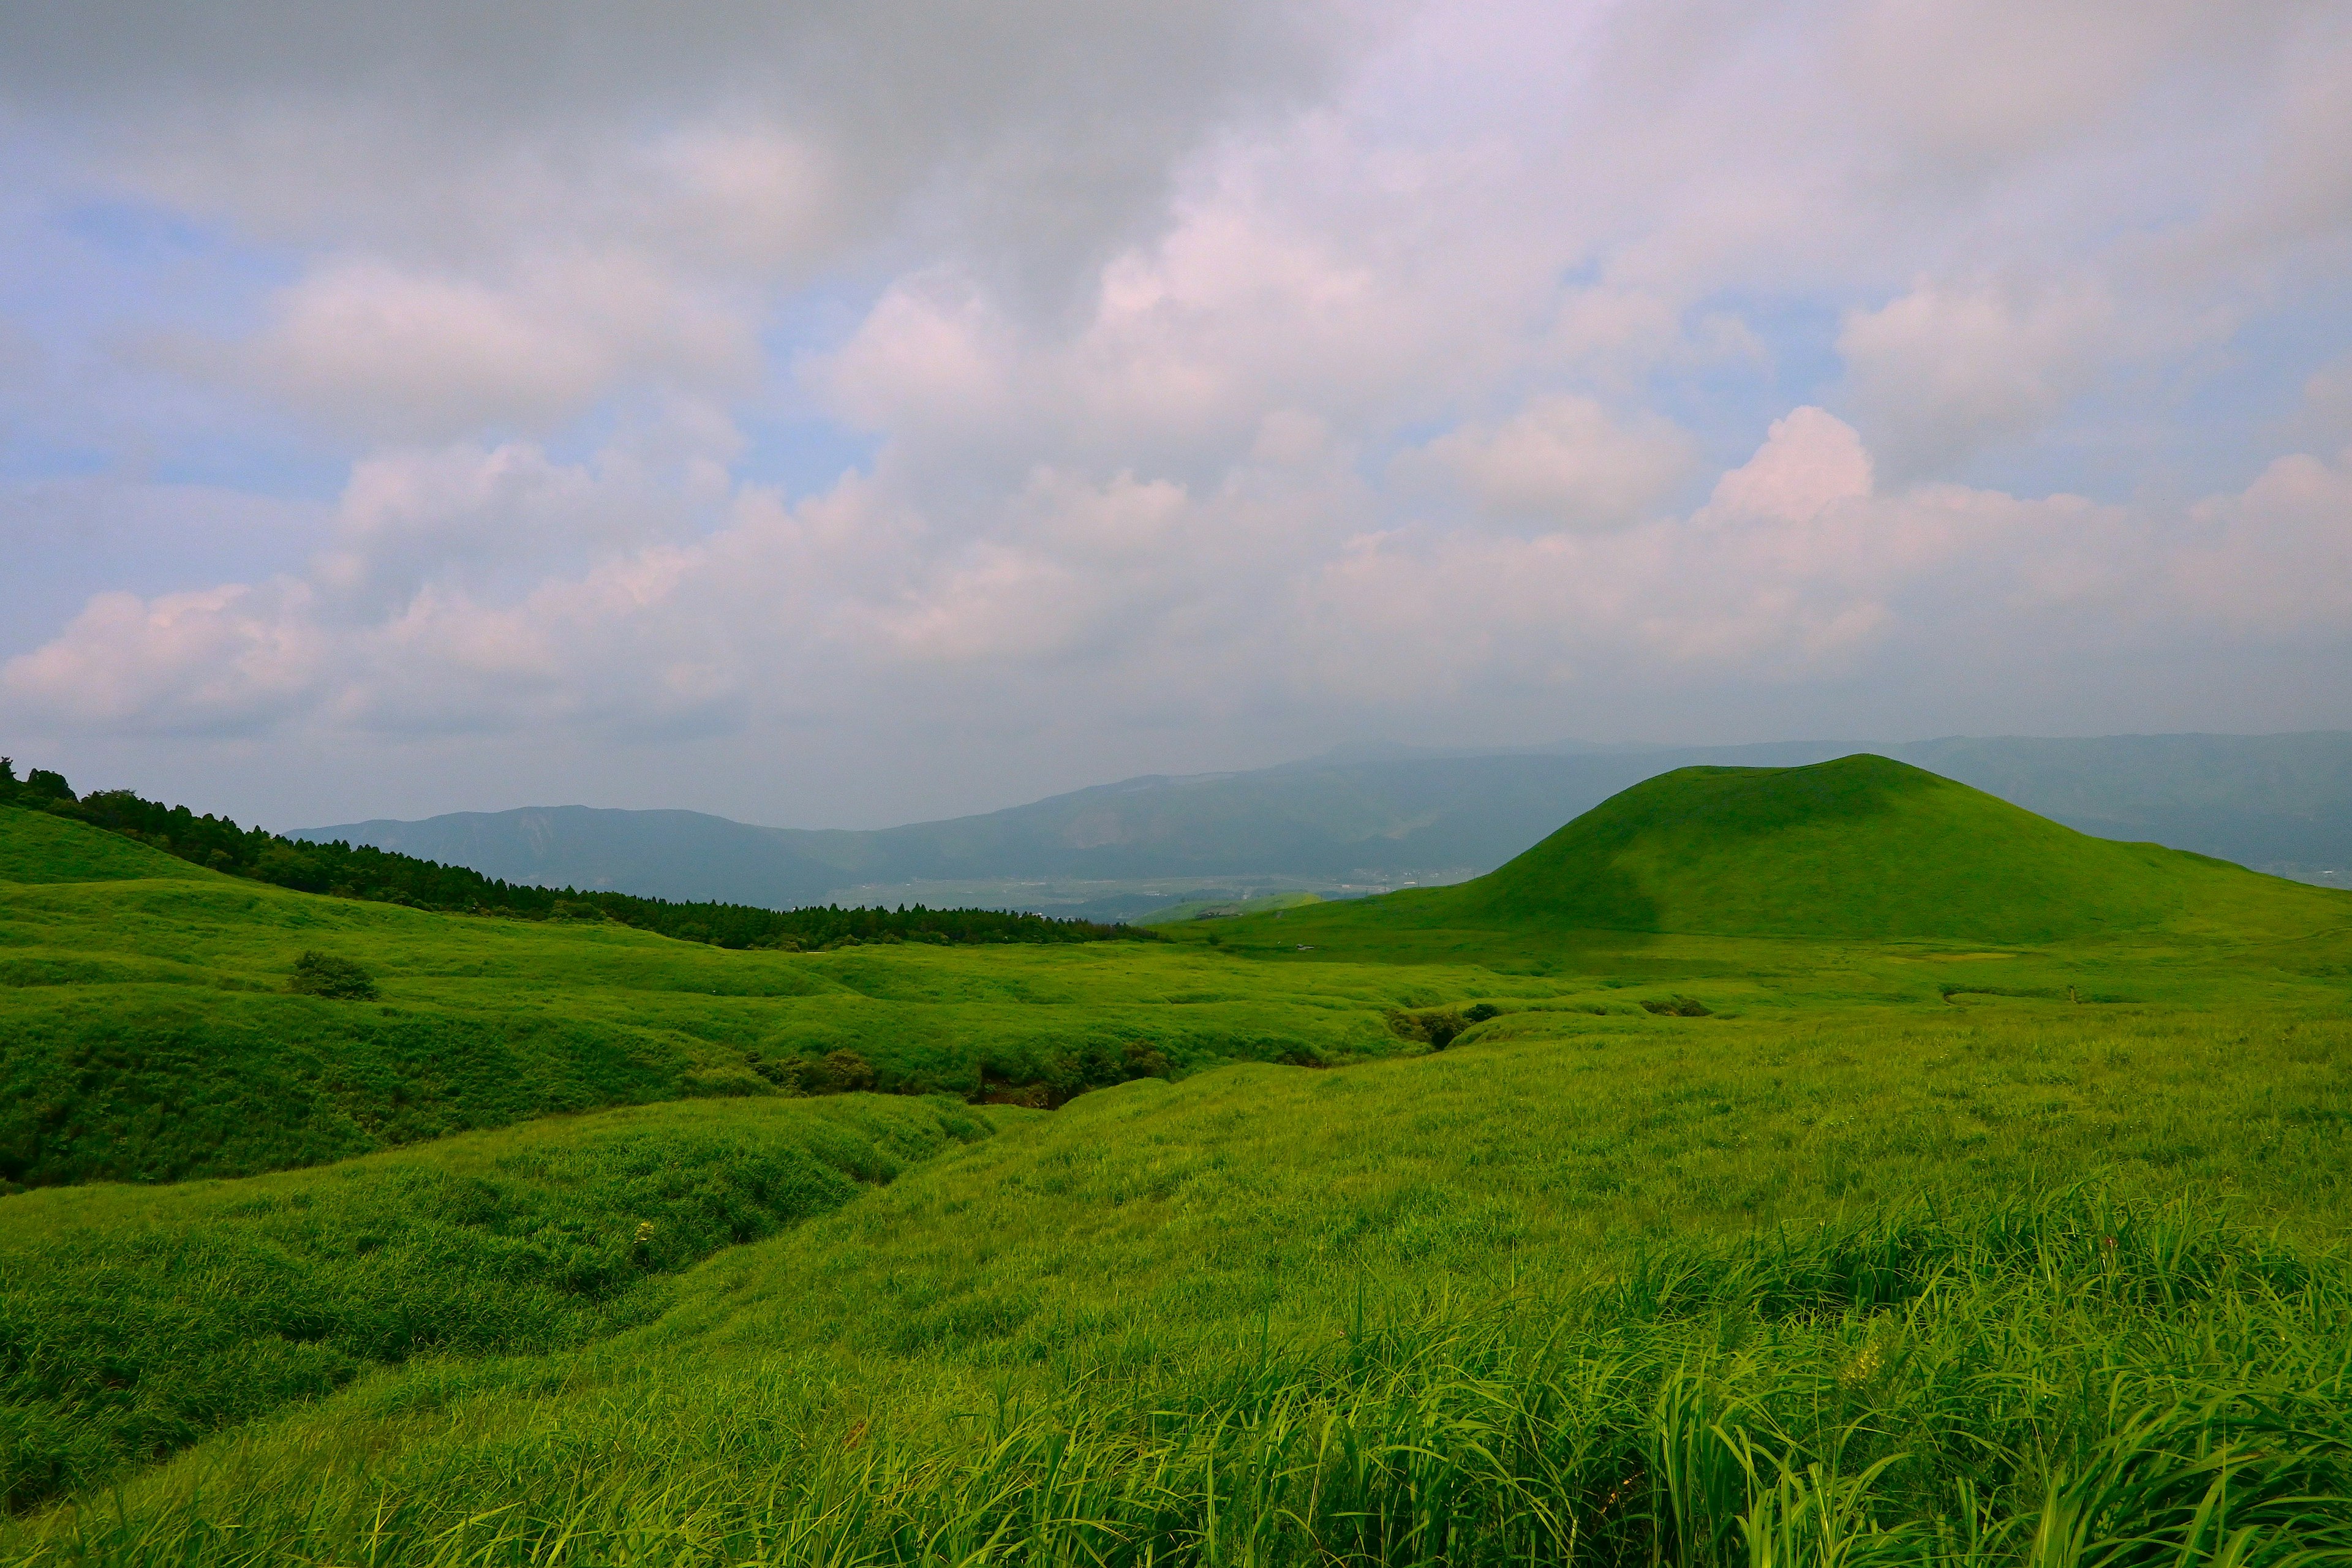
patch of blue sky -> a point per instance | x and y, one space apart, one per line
1728 396
112 306
792 444
802 455
141 233
2175 430
78 271
69 538
2261 383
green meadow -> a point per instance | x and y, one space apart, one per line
1825 1165
151 1036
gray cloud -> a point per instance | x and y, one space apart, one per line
1036 130
1236 379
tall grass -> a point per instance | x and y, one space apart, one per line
134 1321
2067 1379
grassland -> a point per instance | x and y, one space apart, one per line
1448 1303
134 1319
1700 1247
1228 908
149 1035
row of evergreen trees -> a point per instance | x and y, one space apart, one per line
363 871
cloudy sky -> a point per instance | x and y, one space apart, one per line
845 414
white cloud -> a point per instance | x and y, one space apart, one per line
395 354
2275 560
1810 461
499 222
230 659
471 516
1944 369
1136 592
1566 460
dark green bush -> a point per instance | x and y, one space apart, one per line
1436 1028
849 1071
319 973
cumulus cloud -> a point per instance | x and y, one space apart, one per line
1565 459
1797 569
229 659
1944 369
1810 461
397 354
2275 560
502 217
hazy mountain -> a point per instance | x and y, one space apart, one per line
1375 815
2273 802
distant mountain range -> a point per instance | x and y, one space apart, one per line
1374 817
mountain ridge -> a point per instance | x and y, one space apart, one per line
2273 802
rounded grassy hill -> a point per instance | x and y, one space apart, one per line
37 848
1860 847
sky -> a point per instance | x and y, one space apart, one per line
848 414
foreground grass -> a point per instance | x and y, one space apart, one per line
134 1320
2061 1380
1620 1286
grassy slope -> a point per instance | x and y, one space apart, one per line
145 1034
37 848
908 1364
134 1319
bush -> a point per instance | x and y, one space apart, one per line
319 973
847 1072
1680 1008
1437 1028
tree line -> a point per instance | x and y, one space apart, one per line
382 876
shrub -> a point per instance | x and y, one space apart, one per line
1437 1028
847 1072
1679 1007
319 973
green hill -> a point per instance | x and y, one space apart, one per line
37 848
1862 848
